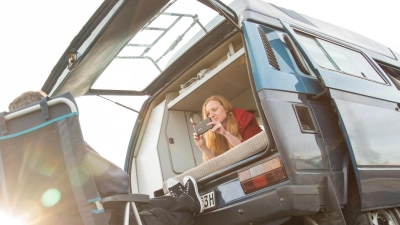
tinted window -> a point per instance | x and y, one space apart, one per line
317 52
393 74
335 57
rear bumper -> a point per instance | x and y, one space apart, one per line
290 200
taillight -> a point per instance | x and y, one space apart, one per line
263 175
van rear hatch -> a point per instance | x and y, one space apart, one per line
110 28
109 32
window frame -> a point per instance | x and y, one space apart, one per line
298 57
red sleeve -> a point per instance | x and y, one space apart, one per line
251 129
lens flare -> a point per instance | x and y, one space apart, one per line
51 197
79 176
6 219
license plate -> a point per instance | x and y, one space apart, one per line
208 200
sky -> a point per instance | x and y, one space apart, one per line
34 35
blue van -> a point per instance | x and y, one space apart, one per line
327 100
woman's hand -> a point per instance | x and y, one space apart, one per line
201 143
217 128
199 140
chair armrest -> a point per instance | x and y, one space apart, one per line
129 199
137 198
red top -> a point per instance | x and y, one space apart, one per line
247 123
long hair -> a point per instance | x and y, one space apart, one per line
217 143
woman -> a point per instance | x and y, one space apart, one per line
231 126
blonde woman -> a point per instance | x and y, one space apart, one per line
231 126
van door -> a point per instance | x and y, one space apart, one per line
367 104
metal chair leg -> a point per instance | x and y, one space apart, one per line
126 217
136 213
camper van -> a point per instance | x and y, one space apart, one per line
327 101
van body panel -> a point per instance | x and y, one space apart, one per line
368 119
307 156
261 70
379 189
149 174
267 206
287 78
374 146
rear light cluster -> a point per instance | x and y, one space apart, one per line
263 175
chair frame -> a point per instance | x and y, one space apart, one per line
44 105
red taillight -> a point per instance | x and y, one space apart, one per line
263 175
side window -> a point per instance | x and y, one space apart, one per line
395 79
392 73
335 57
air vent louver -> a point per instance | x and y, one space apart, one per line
268 49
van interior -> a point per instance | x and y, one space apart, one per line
222 72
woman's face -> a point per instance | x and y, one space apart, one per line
216 112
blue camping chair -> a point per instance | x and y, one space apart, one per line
44 179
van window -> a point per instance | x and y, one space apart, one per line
392 73
335 57
395 80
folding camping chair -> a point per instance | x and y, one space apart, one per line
43 176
